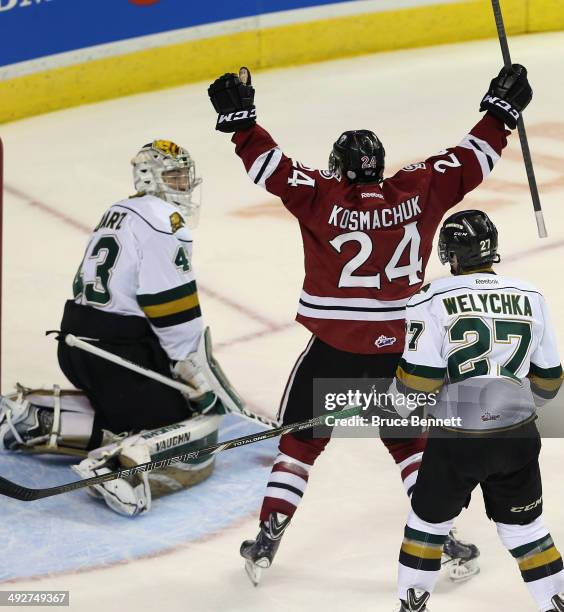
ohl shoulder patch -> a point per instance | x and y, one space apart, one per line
176 222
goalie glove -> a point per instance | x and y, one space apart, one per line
190 370
508 95
233 97
211 388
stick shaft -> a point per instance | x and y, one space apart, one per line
541 227
75 342
16 491
501 33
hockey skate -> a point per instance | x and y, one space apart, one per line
259 553
22 424
460 558
558 603
416 601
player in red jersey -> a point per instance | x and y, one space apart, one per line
367 241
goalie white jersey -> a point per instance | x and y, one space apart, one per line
138 263
492 332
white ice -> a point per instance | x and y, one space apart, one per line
63 170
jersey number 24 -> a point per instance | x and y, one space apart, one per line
410 241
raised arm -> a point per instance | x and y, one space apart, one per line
456 171
232 97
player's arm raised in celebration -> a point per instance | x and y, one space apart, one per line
232 97
458 170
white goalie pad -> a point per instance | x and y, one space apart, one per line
133 496
46 420
126 497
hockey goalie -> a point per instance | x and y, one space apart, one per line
134 295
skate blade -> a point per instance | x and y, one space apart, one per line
461 572
254 572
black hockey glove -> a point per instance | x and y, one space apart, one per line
508 95
233 97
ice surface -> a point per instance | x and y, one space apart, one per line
340 553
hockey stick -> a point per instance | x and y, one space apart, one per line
541 227
79 343
16 491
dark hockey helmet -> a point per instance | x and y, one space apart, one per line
359 156
472 237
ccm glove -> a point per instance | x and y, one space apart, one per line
508 95
233 97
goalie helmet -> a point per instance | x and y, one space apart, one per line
167 171
358 155
472 237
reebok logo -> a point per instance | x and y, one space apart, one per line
371 194
486 281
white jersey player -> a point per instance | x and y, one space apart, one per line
134 295
486 344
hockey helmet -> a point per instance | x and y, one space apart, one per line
359 156
167 171
472 237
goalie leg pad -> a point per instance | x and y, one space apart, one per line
133 496
49 421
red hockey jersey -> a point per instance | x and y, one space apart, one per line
366 246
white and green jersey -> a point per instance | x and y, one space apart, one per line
489 331
138 262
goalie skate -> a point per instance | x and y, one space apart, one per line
260 552
22 424
460 558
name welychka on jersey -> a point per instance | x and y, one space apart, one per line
488 341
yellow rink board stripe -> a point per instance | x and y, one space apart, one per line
292 44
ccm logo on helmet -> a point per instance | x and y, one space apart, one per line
242 114
528 507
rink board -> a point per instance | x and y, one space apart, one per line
125 48
73 532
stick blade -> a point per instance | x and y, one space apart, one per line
16 491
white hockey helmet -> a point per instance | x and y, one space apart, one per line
167 171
